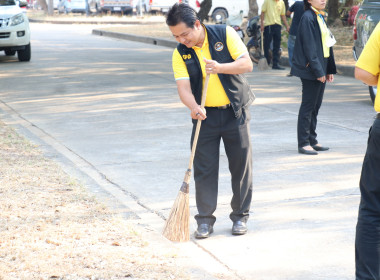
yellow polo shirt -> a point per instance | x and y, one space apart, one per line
273 11
369 59
216 95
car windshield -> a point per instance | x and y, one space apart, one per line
7 3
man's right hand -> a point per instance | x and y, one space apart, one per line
198 114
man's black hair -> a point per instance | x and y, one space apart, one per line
181 13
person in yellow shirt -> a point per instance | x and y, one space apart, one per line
216 50
367 242
272 12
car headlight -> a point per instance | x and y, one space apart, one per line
17 19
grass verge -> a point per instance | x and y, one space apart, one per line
51 228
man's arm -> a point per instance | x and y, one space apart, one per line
241 65
283 17
366 77
188 99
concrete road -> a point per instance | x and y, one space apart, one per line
108 110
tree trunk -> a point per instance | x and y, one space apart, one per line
253 9
43 5
50 7
204 10
349 3
333 11
286 4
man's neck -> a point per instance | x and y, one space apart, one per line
201 37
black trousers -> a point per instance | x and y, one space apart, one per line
312 95
272 33
222 124
367 243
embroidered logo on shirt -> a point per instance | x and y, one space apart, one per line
219 46
186 56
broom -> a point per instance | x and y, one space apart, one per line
262 64
177 224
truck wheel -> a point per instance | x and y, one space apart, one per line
372 93
9 52
25 54
223 15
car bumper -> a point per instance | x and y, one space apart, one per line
117 9
15 36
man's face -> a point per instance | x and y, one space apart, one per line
186 35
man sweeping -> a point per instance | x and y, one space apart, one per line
216 50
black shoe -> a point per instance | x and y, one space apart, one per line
203 231
239 228
278 67
320 148
307 152
289 75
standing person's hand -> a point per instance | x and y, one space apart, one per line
262 28
322 79
330 78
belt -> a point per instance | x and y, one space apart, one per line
221 107
378 116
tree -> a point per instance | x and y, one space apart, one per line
333 11
253 9
43 5
204 9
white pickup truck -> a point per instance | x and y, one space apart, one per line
14 29
154 6
222 9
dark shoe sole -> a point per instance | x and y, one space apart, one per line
320 148
201 236
306 152
239 232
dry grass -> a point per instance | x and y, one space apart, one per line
50 228
342 49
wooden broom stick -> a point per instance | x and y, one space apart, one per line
177 224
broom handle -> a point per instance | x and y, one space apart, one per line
196 134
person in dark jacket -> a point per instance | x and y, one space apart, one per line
297 10
313 61
216 50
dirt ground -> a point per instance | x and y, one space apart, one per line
51 228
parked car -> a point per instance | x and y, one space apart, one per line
77 6
154 6
118 6
14 29
366 20
222 9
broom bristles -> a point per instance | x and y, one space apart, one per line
177 225
263 64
